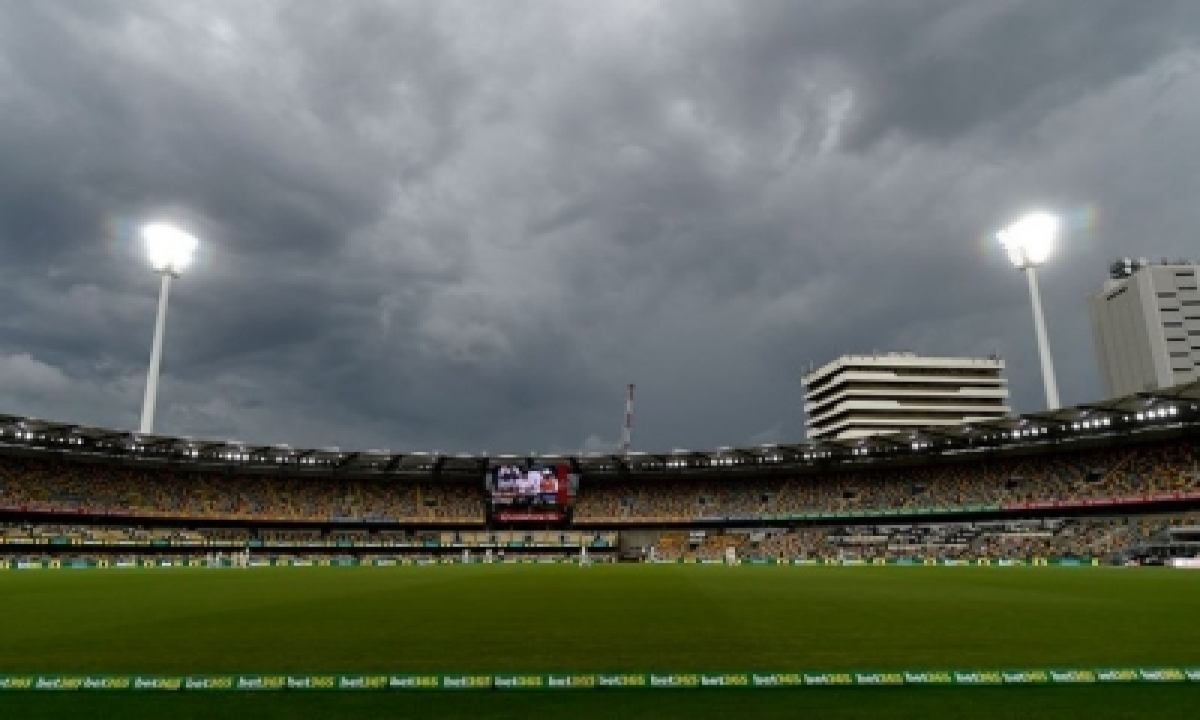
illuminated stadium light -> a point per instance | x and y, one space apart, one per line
1029 242
170 252
168 248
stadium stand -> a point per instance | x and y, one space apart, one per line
1159 468
66 486
1122 496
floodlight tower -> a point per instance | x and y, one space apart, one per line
1028 243
169 250
627 428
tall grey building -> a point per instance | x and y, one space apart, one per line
1146 326
862 395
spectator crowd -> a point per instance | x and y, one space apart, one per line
962 481
69 486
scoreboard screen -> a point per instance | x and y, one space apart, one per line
531 485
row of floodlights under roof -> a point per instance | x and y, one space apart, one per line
729 461
1156 414
863 450
1160 413
242 456
915 445
22 434
1029 432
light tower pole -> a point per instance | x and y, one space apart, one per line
627 428
170 252
1028 243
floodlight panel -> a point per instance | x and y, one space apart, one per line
1030 240
168 248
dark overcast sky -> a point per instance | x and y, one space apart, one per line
465 226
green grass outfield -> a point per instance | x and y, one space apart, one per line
538 618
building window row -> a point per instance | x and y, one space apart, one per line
913 418
939 389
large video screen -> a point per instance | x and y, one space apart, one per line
531 485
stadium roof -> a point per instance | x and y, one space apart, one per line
1175 406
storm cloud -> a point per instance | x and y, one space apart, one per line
465 226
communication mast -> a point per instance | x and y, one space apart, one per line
627 431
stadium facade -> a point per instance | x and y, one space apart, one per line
1146 325
1103 480
857 396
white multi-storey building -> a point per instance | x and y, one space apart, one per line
1146 326
862 395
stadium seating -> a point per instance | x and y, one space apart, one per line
309 513
1080 475
63 486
